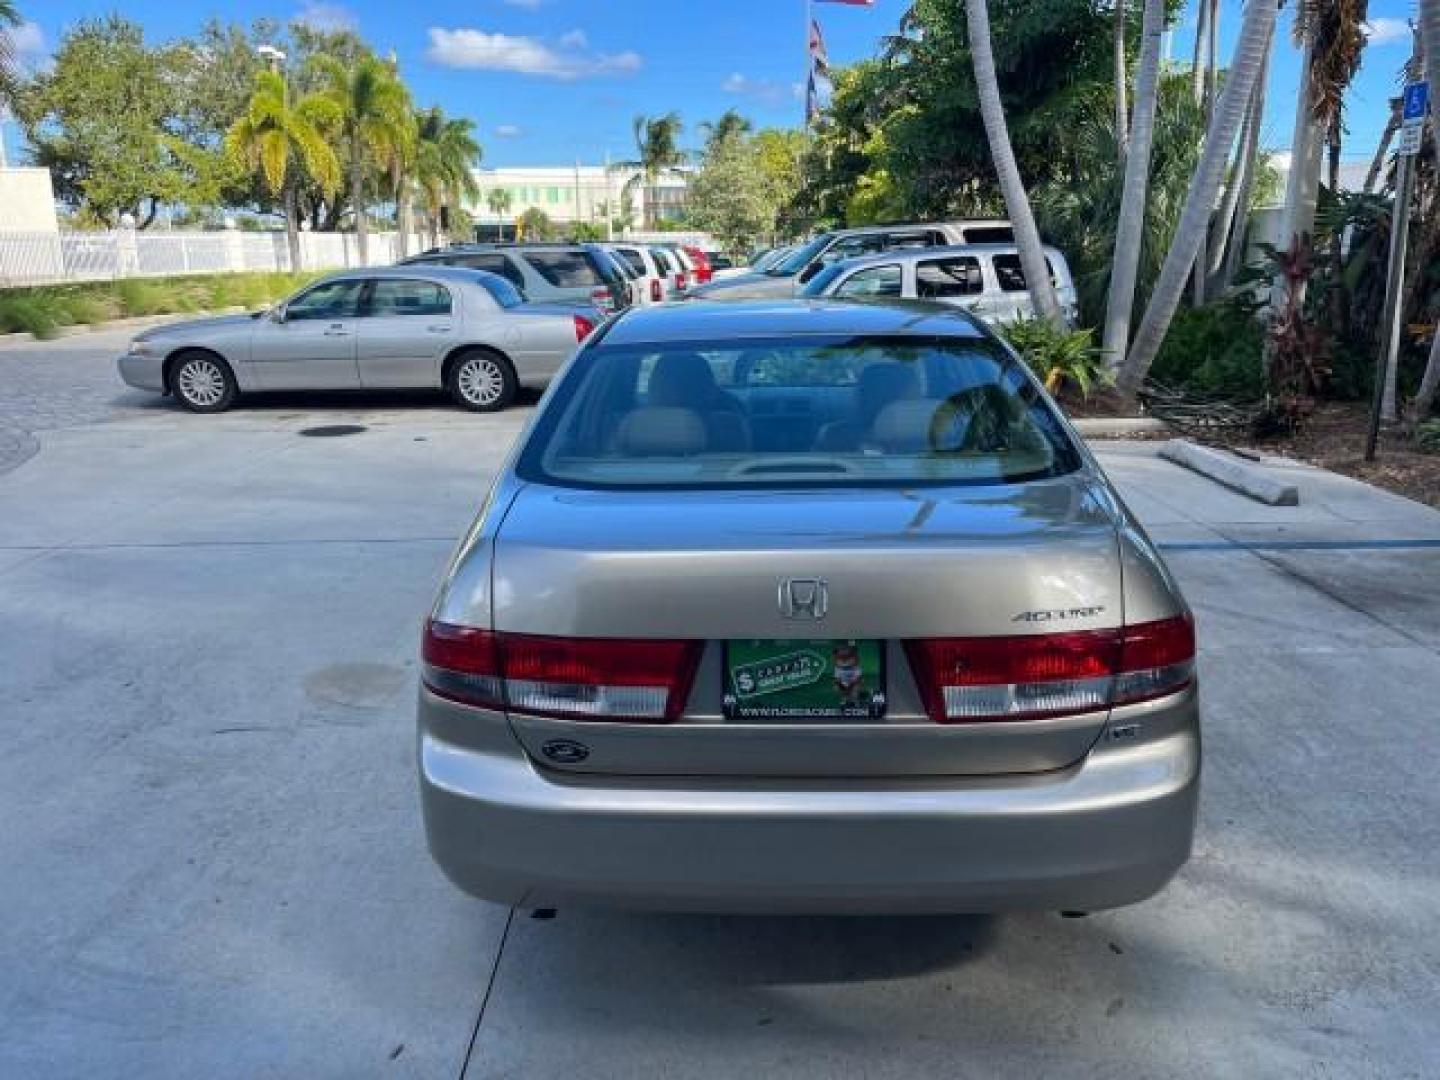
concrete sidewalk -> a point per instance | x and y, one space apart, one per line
213 862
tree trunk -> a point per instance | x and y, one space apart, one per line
1130 230
1195 216
1386 137
1242 180
1239 223
1302 186
292 226
1017 203
403 214
1197 55
1200 275
1122 75
1424 399
357 198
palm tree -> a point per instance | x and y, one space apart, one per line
730 125
374 121
657 143
280 141
1230 229
9 62
1195 218
1017 203
446 150
1122 77
498 200
1430 44
1131 227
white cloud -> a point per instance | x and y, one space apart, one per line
326 16
27 41
1388 31
508 131
476 50
575 39
765 91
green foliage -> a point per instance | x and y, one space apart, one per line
1214 349
535 224
1427 436
1059 357
729 196
41 311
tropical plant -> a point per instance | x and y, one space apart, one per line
1250 49
1134 149
1017 202
657 145
534 224
1427 436
1424 398
445 153
1059 356
499 201
1298 348
729 197
9 70
1228 246
730 125
374 124
281 141
1214 350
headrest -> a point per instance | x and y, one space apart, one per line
661 431
903 427
681 379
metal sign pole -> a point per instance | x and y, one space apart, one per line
1411 134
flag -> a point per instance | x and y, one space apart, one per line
818 56
812 100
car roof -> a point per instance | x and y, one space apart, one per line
715 321
885 258
461 274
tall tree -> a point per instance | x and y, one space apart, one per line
446 151
373 107
1017 202
102 118
1195 218
1424 398
1231 229
498 199
1122 76
1131 228
283 142
730 124
9 62
657 146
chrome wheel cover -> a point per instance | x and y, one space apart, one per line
201 382
480 380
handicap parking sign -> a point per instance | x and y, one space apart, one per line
1417 96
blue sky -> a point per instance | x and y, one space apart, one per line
548 81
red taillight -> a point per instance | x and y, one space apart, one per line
1030 677
657 293
680 282
583 327
576 678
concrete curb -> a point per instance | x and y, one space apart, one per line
1231 472
130 322
1119 427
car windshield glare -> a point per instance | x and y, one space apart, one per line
798 259
864 412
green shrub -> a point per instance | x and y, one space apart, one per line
86 307
35 314
141 297
1427 436
1059 356
1213 349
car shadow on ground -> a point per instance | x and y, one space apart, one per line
741 950
267 403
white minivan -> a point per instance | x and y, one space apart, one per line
983 278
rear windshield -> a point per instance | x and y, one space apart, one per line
504 293
817 285
800 258
662 257
1012 277
877 412
567 269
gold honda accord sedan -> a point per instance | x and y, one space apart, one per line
806 606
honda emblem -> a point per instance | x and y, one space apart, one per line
804 598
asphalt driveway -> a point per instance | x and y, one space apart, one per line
212 862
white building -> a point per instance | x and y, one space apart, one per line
569 194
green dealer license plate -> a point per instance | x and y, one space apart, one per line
804 679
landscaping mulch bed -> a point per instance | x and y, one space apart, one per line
1334 438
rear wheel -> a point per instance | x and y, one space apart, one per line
203 383
482 381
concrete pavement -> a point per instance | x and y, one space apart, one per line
213 864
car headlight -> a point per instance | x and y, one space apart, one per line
141 347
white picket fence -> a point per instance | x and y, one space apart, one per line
43 258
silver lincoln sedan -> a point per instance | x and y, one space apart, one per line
807 606
466 331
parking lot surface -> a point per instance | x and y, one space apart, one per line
212 862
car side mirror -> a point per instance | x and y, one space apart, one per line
810 271
277 313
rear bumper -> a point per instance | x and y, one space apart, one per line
1111 830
